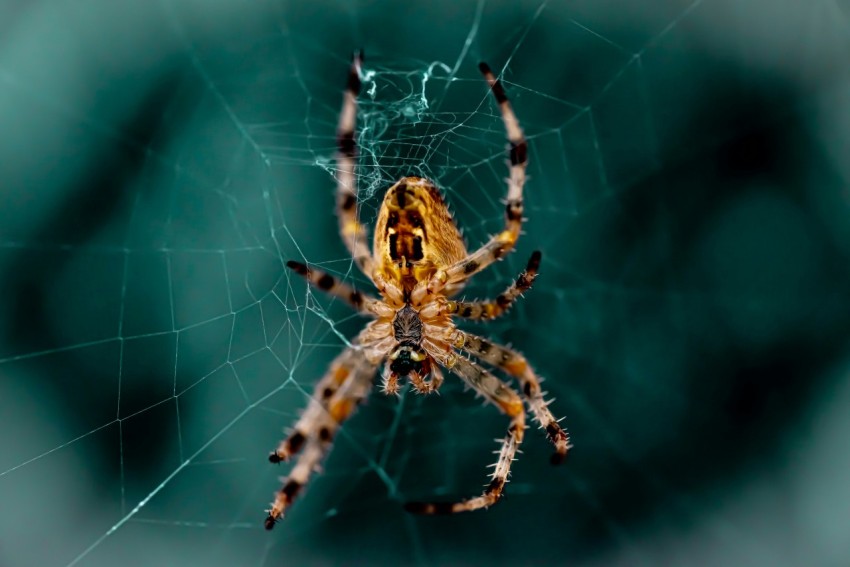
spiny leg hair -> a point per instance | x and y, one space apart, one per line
509 402
354 234
423 386
326 282
503 242
340 370
491 309
322 427
517 366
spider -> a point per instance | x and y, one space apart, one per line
419 261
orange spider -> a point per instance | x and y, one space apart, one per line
418 262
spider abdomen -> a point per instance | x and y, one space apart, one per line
415 232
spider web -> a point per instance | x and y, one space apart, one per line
685 188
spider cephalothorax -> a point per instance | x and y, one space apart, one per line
417 263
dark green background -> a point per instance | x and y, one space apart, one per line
159 161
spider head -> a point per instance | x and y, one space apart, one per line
407 358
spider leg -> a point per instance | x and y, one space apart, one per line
296 480
503 242
321 279
517 366
491 309
389 289
376 342
319 430
344 366
509 402
354 234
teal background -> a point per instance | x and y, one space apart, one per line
159 162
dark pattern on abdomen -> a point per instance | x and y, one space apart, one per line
406 245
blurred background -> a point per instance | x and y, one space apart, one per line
160 161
